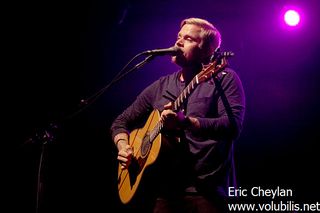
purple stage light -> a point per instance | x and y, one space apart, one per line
292 18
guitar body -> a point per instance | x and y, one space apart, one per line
145 151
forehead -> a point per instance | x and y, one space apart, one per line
190 29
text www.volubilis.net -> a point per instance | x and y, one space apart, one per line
273 206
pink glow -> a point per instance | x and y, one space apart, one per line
292 18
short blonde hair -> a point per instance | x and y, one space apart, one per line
210 35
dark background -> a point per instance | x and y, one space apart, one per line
61 52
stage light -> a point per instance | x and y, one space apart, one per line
292 18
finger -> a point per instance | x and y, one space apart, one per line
124 166
129 150
167 112
122 159
168 105
123 153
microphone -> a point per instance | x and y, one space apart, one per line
167 51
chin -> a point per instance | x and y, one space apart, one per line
180 61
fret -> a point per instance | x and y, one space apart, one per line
197 80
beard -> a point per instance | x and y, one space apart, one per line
183 61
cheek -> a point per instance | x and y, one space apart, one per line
193 53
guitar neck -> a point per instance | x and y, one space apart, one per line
177 104
207 72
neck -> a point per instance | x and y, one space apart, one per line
188 73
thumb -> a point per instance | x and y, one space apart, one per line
168 105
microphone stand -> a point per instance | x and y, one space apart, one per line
47 136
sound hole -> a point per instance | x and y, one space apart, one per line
146 145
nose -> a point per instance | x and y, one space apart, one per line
179 42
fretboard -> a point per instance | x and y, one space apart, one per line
185 93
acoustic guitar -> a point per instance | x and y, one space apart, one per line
146 141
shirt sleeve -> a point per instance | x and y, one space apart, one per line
231 108
135 115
